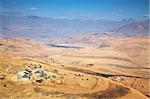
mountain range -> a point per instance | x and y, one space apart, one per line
45 27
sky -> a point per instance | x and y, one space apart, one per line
84 9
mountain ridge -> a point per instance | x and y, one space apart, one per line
44 28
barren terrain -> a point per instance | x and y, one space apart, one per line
88 67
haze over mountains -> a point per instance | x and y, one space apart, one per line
45 27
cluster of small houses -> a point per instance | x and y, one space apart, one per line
36 73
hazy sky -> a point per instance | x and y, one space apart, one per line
91 9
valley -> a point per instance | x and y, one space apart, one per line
89 66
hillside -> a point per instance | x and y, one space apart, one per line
102 68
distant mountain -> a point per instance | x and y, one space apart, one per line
45 28
134 29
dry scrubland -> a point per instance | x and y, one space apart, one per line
104 67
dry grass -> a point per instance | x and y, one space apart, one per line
123 56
